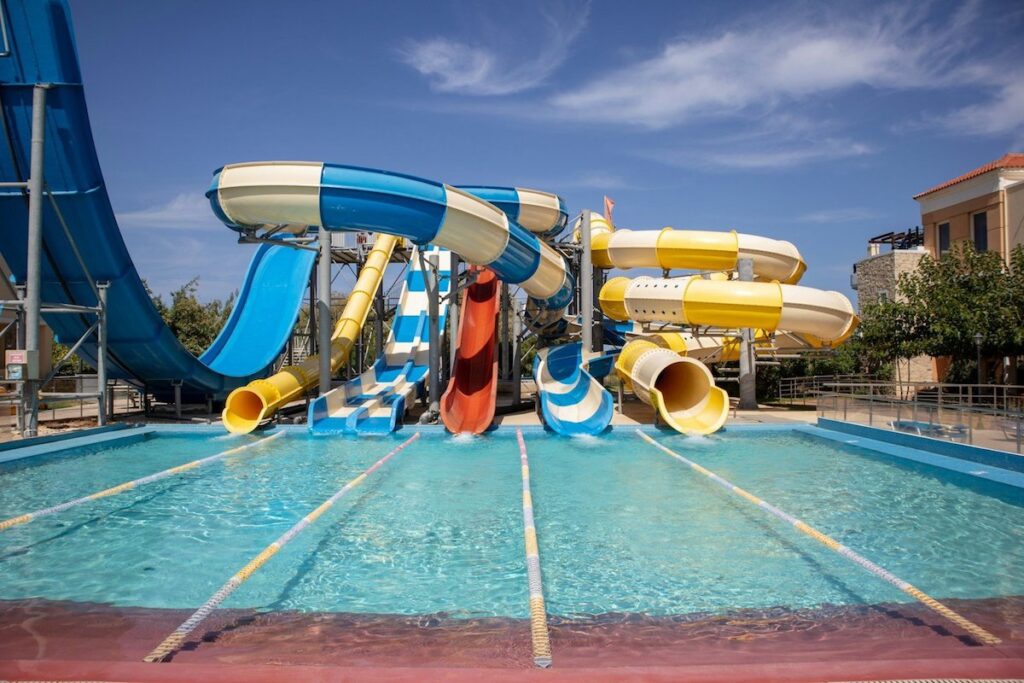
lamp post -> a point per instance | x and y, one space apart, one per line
978 338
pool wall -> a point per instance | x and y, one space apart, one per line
118 434
983 463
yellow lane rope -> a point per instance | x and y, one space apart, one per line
538 613
174 641
128 485
967 625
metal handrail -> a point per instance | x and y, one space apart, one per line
929 418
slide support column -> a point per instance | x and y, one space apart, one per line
748 369
503 336
323 305
433 305
101 357
378 323
517 363
586 286
30 389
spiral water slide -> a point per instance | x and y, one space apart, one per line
680 387
140 348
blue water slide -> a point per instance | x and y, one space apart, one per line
141 347
572 401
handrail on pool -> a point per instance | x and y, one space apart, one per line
539 636
120 488
966 624
174 641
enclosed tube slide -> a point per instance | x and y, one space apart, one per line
671 249
247 406
681 389
468 404
827 316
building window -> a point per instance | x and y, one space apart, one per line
979 223
943 238
883 297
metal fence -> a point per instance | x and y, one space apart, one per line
68 397
929 414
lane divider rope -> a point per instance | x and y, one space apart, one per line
177 638
539 635
128 485
967 625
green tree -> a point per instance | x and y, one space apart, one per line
947 301
194 323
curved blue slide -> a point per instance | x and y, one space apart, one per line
141 348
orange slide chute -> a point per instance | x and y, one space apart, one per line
467 406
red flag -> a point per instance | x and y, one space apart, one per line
609 204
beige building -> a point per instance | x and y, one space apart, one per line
985 206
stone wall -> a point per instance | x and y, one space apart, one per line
878 277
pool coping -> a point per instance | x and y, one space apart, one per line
50 444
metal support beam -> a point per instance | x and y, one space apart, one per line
517 364
379 311
433 306
177 398
586 285
35 247
323 305
503 340
748 369
101 353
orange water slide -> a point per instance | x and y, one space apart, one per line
467 406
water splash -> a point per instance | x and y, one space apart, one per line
464 439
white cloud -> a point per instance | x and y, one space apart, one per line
496 65
766 151
771 63
837 216
1004 113
186 211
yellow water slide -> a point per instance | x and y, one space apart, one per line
664 369
247 406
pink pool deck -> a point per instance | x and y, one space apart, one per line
42 640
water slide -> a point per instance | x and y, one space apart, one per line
485 226
141 348
376 401
663 370
247 406
468 404
572 401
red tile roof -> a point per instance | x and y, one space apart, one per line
1012 160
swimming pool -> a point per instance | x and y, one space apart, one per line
623 529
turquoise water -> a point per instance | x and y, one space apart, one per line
622 527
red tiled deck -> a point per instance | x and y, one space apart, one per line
41 639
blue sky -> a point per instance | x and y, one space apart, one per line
812 122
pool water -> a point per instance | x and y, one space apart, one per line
622 527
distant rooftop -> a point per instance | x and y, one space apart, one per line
1011 160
